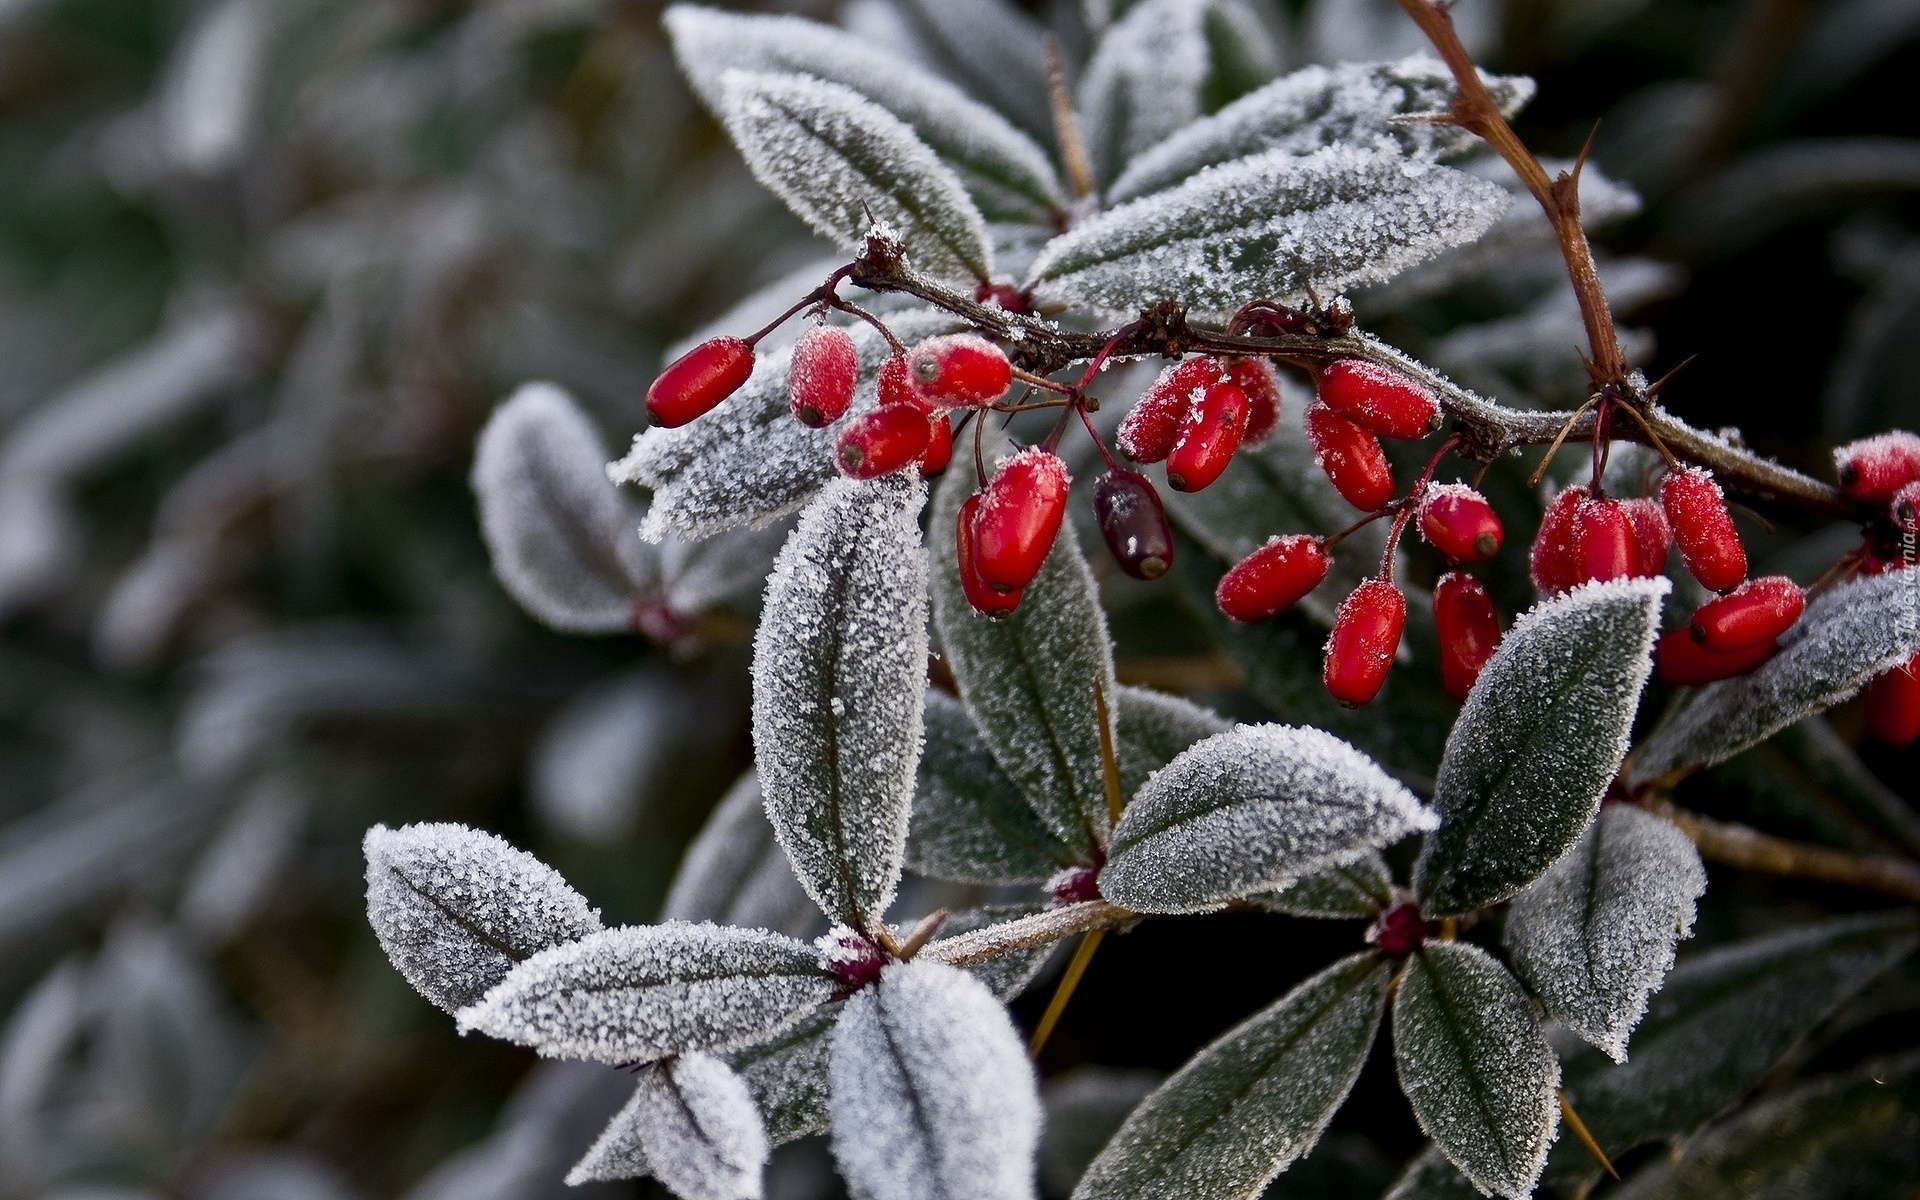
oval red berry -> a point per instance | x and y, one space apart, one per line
1154 422
1652 536
1133 524
1351 457
1603 541
1365 634
1682 662
1468 629
1458 522
1019 517
1208 439
1893 704
1709 543
959 369
1873 469
1757 611
1273 578
1257 378
822 374
698 380
882 440
980 594
1379 399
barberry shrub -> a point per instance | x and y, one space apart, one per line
935 692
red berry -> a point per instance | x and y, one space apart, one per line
1133 524
959 369
1256 378
895 385
1757 611
1272 578
1351 457
1020 513
1652 536
1458 522
1208 439
1874 468
1151 425
1556 563
699 379
979 592
1379 399
881 440
939 451
852 958
1603 540
1075 885
1365 635
820 380
1683 662
1399 931
1469 631
1893 704
1709 544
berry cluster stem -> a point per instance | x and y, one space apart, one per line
1739 846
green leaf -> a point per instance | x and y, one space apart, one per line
1476 1066
971 824
1594 936
1248 811
1361 888
1539 741
1248 1105
1267 227
788 1077
1028 679
1002 168
844 163
1838 1138
1154 728
1845 638
839 664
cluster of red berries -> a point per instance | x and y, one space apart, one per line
1885 471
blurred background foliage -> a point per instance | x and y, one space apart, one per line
267 265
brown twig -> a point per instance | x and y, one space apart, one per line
1027 933
1739 846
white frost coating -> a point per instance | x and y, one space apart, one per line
788 1076
734 873
845 619
560 534
1004 170
843 164
1594 936
1144 81
213 86
933 1096
1476 1066
1251 810
1152 728
456 909
692 1125
748 462
1352 104
642 992
970 822
1845 638
1540 738
1267 226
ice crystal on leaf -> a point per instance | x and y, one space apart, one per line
1538 742
1361 888
748 462
1476 1066
1594 936
1006 173
1846 637
456 909
933 1097
788 1076
1248 1105
1153 728
735 873
692 1125
1250 810
562 538
1353 104
642 992
1267 227
845 621
971 824
844 164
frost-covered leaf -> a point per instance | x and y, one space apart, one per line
562 537
1028 679
838 668
748 462
1153 728
1006 173
642 992
1267 227
1350 104
1007 975
456 909
1250 810
735 873
1476 1066
1160 67
729 567
1846 637
1539 740
1085 1106
991 46
933 1096
1249 1104
1594 936
692 1125
843 163
971 824
1361 888
788 1076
